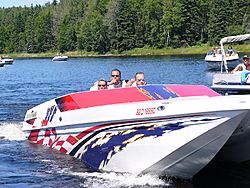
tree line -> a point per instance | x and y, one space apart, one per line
115 26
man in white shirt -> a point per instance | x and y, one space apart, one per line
116 81
139 80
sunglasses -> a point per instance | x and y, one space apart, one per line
115 75
102 85
141 80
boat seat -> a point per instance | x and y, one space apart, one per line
226 79
238 78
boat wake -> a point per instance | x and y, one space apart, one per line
11 131
113 180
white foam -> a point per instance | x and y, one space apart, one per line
115 180
11 131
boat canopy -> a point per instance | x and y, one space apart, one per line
227 40
237 38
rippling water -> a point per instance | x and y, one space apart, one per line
29 82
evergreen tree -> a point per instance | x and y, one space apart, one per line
110 22
153 13
66 38
172 22
92 34
217 22
125 26
44 32
119 25
139 36
30 34
3 39
194 14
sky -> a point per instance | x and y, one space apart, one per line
17 3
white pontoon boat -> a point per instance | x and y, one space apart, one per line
226 83
171 130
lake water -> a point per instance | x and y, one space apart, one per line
29 82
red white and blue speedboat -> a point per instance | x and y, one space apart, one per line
163 129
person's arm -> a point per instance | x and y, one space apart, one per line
96 83
112 82
130 82
235 69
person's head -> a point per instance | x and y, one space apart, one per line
246 60
116 76
140 79
229 47
102 84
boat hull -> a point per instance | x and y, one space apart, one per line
236 148
7 61
180 146
60 58
218 58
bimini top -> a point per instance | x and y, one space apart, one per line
237 38
131 94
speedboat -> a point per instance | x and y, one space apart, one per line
7 60
173 130
236 83
213 61
60 58
210 57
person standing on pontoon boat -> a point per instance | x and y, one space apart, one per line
243 66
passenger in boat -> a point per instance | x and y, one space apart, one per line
243 66
102 84
213 51
230 50
139 80
116 81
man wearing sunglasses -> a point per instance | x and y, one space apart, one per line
139 80
116 81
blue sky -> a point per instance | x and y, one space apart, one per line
17 3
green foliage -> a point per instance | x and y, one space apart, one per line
102 26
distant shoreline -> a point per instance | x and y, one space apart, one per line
134 52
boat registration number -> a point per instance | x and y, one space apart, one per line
145 111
